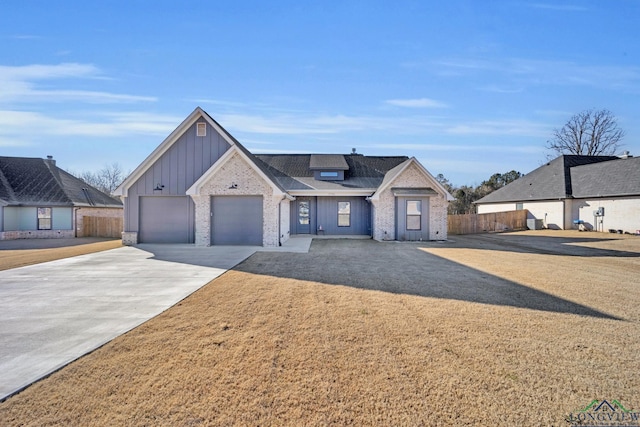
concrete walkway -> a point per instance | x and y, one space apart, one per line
55 312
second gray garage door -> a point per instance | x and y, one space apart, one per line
236 220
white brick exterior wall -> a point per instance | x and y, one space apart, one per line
496 207
285 226
384 207
621 213
249 183
129 238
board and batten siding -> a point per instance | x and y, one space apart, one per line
327 216
323 212
177 169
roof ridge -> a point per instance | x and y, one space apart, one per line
54 170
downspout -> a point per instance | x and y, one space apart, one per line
75 222
280 220
368 199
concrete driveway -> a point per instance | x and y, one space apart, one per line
55 312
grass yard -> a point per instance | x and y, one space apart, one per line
27 252
514 329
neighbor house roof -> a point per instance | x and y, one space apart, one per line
28 181
620 177
557 179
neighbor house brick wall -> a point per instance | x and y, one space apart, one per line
248 183
37 234
384 207
79 213
620 213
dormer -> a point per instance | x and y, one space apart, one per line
328 167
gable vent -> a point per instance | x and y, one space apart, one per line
201 129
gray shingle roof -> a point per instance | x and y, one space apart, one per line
619 177
293 171
328 161
33 181
554 180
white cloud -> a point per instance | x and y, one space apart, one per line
500 127
501 89
558 7
20 85
310 124
45 72
416 103
16 126
522 72
460 148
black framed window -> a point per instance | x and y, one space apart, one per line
344 214
44 218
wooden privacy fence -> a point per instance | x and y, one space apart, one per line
97 226
487 223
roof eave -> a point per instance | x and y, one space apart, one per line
360 192
195 189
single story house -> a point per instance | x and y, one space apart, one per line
599 193
40 200
200 185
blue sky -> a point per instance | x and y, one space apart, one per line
469 88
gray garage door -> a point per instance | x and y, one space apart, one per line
166 219
236 220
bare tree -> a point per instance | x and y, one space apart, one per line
590 133
106 179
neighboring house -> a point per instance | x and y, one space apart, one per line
600 192
40 200
200 185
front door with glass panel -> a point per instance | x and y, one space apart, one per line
304 220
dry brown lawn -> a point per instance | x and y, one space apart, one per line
263 345
12 256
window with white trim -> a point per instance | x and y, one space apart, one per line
344 214
201 129
414 214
